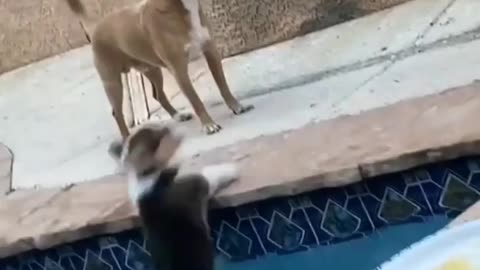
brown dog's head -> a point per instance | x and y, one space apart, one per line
149 148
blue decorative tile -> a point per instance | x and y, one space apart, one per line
268 208
126 237
410 178
25 266
416 195
71 263
396 208
459 167
233 243
475 180
120 255
300 218
94 262
52 265
321 197
82 247
378 186
68 259
107 256
290 224
372 206
473 165
138 257
356 207
285 234
357 189
246 212
457 195
433 192
315 217
107 242
28 262
439 172
217 217
339 222
422 175
246 227
262 226
300 202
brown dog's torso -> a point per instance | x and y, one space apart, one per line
150 35
165 24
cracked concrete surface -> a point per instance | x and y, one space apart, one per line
56 119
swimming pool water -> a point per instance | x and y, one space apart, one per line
359 254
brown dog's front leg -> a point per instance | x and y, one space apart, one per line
214 62
154 75
114 91
179 70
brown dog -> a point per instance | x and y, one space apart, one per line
150 35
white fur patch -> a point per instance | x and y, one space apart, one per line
198 34
219 176
139 187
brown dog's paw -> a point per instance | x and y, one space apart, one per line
243 109
211 128
182 117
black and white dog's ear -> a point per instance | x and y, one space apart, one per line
115 149
151 143
220 176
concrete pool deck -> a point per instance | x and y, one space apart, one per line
333 153
57 122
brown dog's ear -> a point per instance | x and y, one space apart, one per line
115 149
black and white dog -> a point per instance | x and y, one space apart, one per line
173 209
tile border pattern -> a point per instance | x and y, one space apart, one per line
290 224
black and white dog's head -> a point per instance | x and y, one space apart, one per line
149 148
145 154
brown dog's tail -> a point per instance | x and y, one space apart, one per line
78 9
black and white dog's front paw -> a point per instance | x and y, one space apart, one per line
220 176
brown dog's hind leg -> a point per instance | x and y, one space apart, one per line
214 62
154 75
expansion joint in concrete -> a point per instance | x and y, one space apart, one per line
434 22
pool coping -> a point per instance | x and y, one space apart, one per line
333 153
